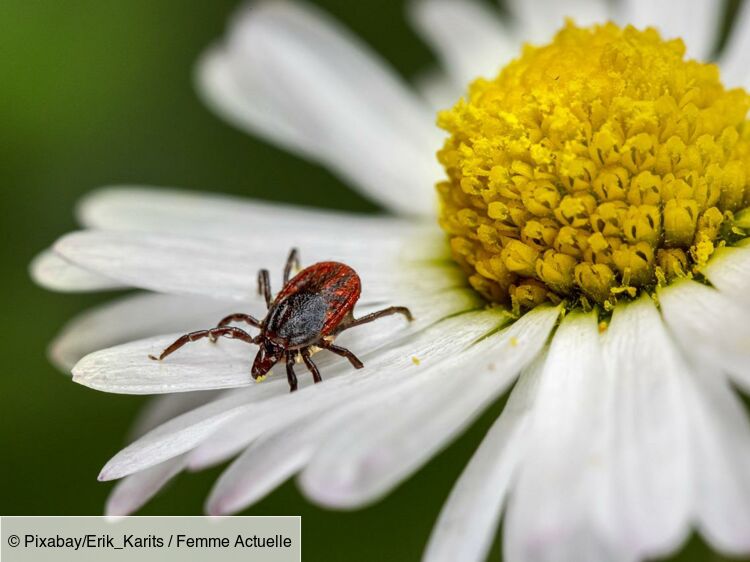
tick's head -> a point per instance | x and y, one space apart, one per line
268 355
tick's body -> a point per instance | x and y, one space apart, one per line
307 314
313 304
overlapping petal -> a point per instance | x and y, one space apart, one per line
328 92
649 455
710 325
541 19
697 22
132 318
470 516
203 365
132 492
468 36
53 272
734 60
552 514
383 446
272 402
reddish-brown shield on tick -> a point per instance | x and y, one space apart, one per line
312 308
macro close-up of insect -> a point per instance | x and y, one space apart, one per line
307 315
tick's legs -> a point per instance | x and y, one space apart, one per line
292 262
311 366
227 332
290 376
343 352
237 317
264 286
379 314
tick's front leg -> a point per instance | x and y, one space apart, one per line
227 332
237 317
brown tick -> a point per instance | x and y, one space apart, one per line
314 307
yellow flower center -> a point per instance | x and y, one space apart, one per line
593 168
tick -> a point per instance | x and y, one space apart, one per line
307 315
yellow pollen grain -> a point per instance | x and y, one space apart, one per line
593 168
415 360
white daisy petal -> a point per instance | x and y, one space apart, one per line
651 457
228 270
729 271
541 19
331 88
384 445
245 407
203 365
132 318
127 369
55 273
209 215
182 433
697 22
467 35
721 440
437 89
385 374
162 408
247 104
469 519
267 463
735 57
289 447
710 325
133 492
551 514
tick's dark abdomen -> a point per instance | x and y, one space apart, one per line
297 319
313 303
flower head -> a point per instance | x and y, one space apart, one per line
595 167
596 267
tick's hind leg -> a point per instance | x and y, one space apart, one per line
379 314
343 352
264 286
292 262
290 376
227 332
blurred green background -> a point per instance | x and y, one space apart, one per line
100 92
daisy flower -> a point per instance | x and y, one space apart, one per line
586 252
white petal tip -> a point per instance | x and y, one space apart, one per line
333 494
108 473
85 378
117 509
199 464
53 272
217 507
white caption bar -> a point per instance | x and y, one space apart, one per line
163 539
